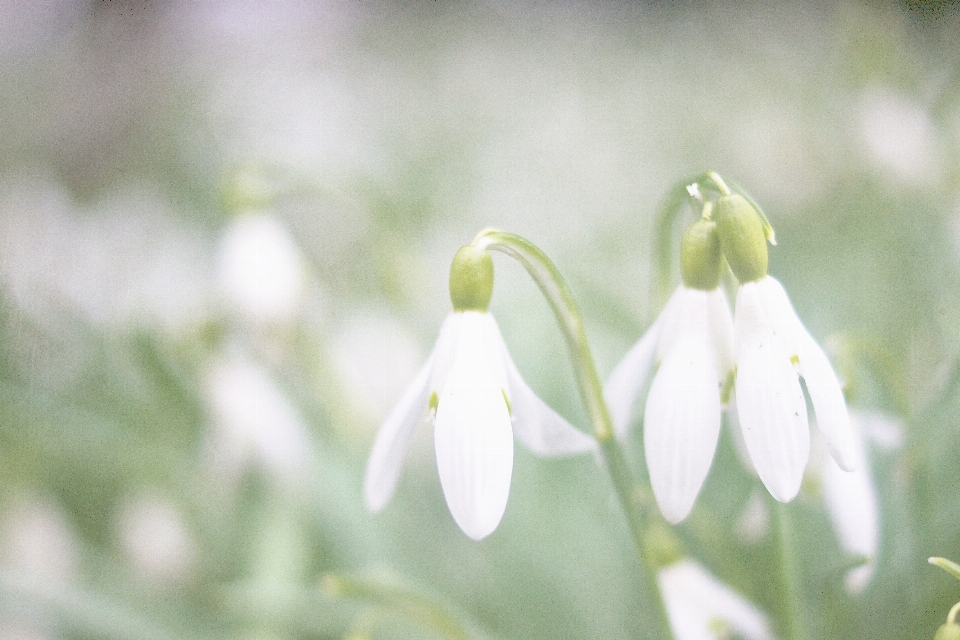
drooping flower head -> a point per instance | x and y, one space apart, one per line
773 348
691 346
473 394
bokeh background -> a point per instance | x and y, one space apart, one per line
225 229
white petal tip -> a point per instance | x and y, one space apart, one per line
375 504
479 531
783 493
845 459
856 580
674 514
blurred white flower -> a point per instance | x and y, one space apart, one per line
772 347
36 539
260 268
253 420
124 261
692 341
900 136
155 539
477 401
754 521
37 547
851 497
700 607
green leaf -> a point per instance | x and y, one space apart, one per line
949 566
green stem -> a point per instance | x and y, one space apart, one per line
555 289
790 574
949 566
632 496
717 180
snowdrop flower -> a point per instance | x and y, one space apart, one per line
477 402
772 347
692 341
851 497
700 607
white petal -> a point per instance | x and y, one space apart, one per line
828 402
671 318
770 403
492 348
629 380
736 434
537 426
699 606
851 501
721 331
779 313
858 578
393 441
681 425
444 349
473 436
822 383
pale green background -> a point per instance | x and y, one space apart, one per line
389 134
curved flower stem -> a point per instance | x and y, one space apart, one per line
790 575
949 566
632 496
555 289
717 180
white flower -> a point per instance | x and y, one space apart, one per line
700 607
254 422
772 347
260 268
692 341
851 497
478 401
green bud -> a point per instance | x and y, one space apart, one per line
741 237
949 631
471 279
700 256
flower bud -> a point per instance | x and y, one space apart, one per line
741 237
471 279
949 631
700 256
